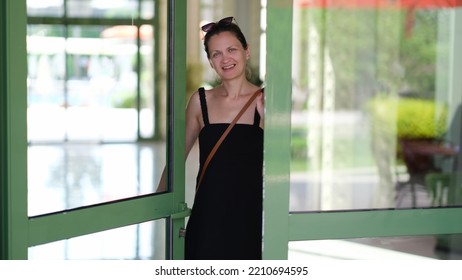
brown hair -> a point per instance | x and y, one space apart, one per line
220 27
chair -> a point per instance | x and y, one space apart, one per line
419 157
439 186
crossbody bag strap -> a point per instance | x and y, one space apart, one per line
223 136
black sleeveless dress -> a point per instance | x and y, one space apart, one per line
226 218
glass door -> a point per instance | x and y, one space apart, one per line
70 218
362 130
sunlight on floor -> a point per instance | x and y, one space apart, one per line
344 250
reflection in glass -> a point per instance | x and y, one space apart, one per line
373 122
46 83
103 8
88 84
53 8
441 247
94 98
67 176
144 241
102 84
147 9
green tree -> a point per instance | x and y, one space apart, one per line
418 53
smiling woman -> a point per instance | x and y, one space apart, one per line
226 218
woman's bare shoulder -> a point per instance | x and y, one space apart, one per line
194 98
194 105
209 94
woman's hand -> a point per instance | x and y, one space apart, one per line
261 107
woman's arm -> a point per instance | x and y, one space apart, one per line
194 122
193 126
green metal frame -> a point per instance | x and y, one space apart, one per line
13 134
177 89
277 129
374 223
3 142
75 222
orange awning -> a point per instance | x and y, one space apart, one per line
378 3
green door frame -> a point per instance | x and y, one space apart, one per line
277 129
281 226
176 111
13 135
18 231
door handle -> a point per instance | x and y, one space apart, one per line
182 212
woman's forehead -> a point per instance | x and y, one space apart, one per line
223 39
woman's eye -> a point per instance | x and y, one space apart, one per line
215 55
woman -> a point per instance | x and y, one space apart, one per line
226 218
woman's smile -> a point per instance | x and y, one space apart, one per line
228 67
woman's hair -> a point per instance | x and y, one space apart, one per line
220 27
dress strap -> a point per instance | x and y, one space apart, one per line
256 118
205 114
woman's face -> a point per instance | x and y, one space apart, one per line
227 56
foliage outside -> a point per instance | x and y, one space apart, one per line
409 117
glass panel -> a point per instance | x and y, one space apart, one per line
95 97
73 175
85 85
103 8
441 247
374 122
147 9
102 83
46 83
51 8
144 241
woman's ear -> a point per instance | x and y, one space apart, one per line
247 52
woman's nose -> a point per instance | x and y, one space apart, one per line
225 56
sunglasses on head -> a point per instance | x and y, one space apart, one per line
225 21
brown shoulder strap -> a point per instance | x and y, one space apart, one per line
223 136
